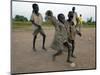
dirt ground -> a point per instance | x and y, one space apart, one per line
25 60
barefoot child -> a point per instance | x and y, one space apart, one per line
36 19
80 22
60 42
72 31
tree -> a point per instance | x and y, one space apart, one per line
20 18
89 20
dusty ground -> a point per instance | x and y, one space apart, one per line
25 60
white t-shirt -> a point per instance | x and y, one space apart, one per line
37 19
74 18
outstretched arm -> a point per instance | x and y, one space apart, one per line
49 15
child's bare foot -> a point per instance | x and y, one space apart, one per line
44 48
69 61
73 56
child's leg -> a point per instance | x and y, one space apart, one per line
69 55
34 40
80 29
66 44
59 52
73 47
44 37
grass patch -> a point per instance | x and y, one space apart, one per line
89 26
28 25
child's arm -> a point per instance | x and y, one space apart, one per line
53 20
78 33
67 44
49 15
32 21
35 24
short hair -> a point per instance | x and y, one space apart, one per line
70 14
73 8
49 13
34 5
80 14
60 15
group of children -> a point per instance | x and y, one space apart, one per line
65 31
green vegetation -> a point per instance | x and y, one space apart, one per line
89 26
23 23
20 18
28 25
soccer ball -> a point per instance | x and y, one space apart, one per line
89 38
72 64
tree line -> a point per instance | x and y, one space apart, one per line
24 19
20 18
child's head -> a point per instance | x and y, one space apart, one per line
35 8
49 13
61 18
73 9
80 15
70 15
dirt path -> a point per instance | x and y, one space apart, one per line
25 60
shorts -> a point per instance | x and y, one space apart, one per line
38 30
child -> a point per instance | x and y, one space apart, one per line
36 19
60 42
75 16
72 31
80 22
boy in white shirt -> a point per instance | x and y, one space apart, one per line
36 19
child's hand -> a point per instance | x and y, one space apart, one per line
78 33
66 44
72 23
39 27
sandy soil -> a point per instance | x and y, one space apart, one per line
25 60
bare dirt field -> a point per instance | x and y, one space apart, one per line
24 59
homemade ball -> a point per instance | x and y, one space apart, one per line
89 38
72 64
